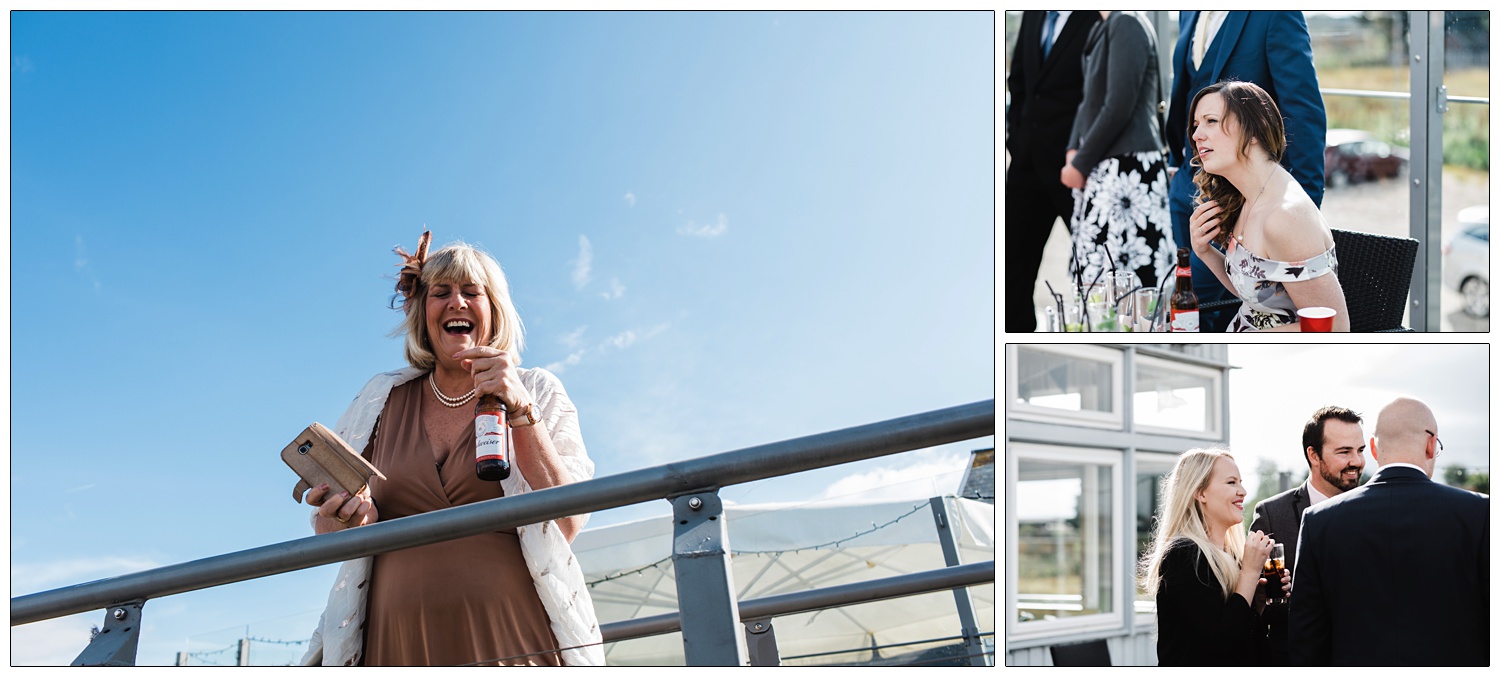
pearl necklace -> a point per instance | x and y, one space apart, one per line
450 402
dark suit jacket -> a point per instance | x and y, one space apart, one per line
1044 95
1270 49
1396 572
1195 625
1280 517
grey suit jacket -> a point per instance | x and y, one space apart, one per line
1280 517
1121 87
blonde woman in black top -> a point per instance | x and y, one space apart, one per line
1204 570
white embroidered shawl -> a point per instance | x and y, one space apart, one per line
339 637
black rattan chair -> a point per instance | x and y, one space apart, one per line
1375 273
1082 654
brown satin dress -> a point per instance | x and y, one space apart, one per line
450 603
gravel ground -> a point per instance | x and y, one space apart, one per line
1382 207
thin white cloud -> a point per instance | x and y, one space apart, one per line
573 338
85 487
569 361
21 64
584 264
620 341
81 262
916 479
630 199
27 578
55 641
691 228
616 290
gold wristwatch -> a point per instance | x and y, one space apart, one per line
525 416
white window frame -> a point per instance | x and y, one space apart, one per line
1115 459
1213 403
1112 420
1154 458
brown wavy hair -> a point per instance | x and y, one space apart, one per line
1257 117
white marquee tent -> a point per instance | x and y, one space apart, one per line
781 548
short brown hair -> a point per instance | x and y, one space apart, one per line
1312 432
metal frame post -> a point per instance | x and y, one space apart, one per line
973 645
1428 103
116 642
711 632
760 638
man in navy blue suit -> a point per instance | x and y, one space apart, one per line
1396 572
1270 49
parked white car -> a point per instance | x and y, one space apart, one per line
1466 260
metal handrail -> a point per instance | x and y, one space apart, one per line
859 443
803 601
1377 94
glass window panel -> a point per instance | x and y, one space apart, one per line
1063 382
1065 539
1367 146
1149 475
1466 173
1167 398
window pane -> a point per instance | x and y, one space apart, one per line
1466 173
1065 540
1172 399
1062 382
1148 478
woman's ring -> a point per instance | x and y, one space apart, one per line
344 520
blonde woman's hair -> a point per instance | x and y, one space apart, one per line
1180 515
456 264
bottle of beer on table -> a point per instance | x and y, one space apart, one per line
491 439
1184 301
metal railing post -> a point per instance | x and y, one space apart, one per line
760 638
116 642
1426 168
711 632
973 645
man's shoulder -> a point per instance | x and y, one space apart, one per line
1284 499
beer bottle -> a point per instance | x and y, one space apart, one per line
1184 301
491 439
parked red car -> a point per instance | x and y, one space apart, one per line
1352 155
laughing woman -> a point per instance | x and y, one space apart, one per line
1204 571
512 597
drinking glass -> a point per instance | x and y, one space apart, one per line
1271 571
1146 311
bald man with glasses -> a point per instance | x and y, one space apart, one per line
1396 572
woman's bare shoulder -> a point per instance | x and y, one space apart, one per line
1295 229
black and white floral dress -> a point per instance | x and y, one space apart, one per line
1120 220
1259 282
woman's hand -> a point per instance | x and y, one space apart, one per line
1257 550
1071 177
1203 226
495 373
336 513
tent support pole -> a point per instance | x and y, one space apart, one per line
711 631
973 645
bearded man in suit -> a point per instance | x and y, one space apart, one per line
1333 444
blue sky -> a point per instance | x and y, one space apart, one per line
720 230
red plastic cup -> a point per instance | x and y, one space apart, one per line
1316 318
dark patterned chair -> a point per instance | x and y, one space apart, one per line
1375 273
